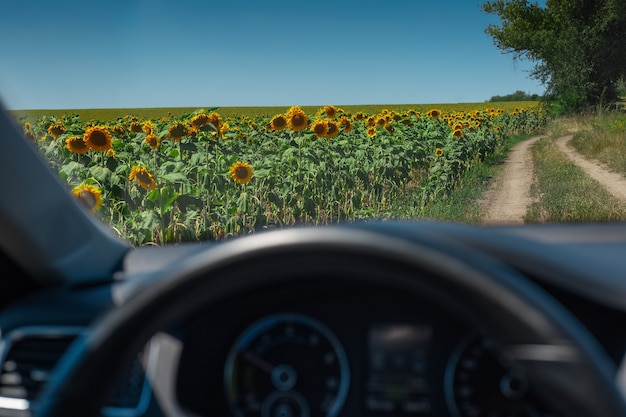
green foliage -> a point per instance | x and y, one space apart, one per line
297 177
604 139
578 46
519 95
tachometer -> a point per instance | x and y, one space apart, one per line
481 382
286 365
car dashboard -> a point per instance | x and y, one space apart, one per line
324 346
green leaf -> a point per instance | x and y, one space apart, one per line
173 177
168 196
100 173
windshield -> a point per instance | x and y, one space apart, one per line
191 120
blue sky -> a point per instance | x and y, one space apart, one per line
153 53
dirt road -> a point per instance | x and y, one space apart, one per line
613 182
508 199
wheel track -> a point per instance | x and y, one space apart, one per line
613 182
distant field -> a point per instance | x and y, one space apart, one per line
158 112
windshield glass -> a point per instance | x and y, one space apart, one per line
191 120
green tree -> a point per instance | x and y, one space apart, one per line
578 46
519 95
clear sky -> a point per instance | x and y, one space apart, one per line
205 53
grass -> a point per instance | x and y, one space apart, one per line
564 193
604 140
464 203
158 112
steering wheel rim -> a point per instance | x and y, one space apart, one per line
530 322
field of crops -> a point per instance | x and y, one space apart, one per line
206 175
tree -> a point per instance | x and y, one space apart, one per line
578 46
519 95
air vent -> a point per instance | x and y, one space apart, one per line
29 355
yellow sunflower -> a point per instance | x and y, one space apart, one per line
458 133
434 113
56 129
358 117
371 132
297 119
345 123
148 128
332 129
119 130
319 128
76 144
89 196
241 172
216 120
199 120
153 141
439 152
330 111
278 122
135 127
142 177
98 138
177 131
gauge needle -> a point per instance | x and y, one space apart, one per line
258 362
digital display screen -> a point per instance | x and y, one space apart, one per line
398 360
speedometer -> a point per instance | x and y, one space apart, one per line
286 365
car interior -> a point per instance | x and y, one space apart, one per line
379 318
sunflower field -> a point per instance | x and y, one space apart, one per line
203 176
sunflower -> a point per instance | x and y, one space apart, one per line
225 128
135 127
153 141
434 113
371 132
358 117
345 123
332 129
278 122
216 120
89 196
241 172
297 119
77 144
457 133
330 111
371 121
177 131
142 177
148 128
439 152
319 128
56 130
119 130
199 120
98 138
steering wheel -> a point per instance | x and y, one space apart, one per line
559 355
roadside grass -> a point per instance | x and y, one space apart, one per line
255 111
604 140
463 204
563 193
